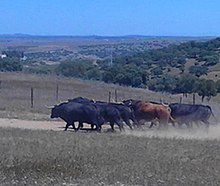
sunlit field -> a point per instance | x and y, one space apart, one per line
63 158
140 157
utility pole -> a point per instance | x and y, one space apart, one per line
111 60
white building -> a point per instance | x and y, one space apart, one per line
3 56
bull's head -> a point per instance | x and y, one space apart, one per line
128 102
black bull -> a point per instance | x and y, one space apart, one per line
72 112
111 112
187 113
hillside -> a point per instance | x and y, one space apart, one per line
165 64
15 91
60 48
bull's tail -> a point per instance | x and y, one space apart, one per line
212 113
172 120
213 116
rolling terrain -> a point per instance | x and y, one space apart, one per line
49 156
59 48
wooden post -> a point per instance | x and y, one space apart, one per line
116 96
0 84
57 92
109 97
194 98
181 99
32 97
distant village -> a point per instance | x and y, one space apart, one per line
4 55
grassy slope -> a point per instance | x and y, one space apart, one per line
53 158
15 93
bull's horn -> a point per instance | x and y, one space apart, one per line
164 104
49 107
113 100
120 102
64 101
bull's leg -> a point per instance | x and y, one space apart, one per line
189 124
67 125
92 126
153 122
98 127
135 122
206 123
163 123
80 125
73 125
128 123
112 126
151 125
197 124
139 124
172 121
120 125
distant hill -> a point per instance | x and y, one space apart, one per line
49 49
158 63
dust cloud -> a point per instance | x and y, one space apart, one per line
197 132
200 133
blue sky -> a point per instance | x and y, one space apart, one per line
111 17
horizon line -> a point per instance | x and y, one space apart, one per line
94 35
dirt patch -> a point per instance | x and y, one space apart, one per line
197 133
39 125
35 125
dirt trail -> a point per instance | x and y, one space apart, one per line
35 125
196 133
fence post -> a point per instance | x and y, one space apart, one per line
0 84
109 96
57 92
194 98
32 97
181 99
116 96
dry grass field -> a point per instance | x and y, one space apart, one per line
15 91
65 158
146 157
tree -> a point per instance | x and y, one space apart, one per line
108 77
211 60
185 84
93 74
198 70
206 88
157 71
76 68
10 64
13 54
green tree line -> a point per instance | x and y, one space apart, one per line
144 69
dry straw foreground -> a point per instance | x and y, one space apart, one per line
39 157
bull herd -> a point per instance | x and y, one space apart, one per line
134 113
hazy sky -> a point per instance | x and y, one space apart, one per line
111 17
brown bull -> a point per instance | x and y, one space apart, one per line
150 111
